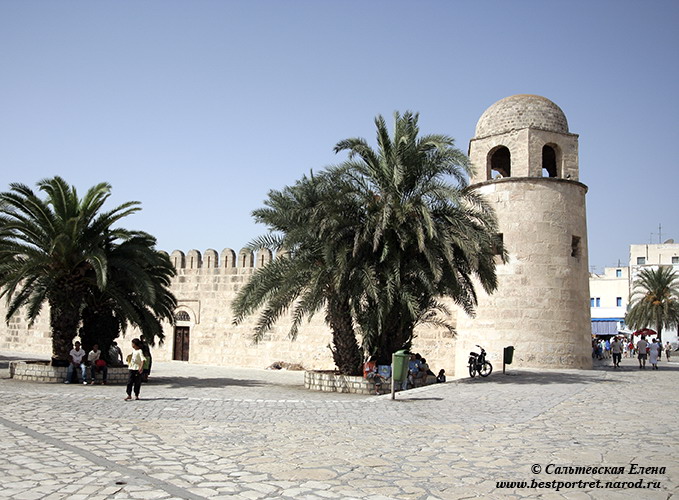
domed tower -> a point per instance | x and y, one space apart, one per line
526 164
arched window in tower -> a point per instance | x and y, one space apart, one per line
500 163
549 161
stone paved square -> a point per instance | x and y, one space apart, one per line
214 432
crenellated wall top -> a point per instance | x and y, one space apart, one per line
210 259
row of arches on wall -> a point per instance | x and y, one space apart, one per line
500 161
210 259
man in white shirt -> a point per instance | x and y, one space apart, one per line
77 354
616 351
641 350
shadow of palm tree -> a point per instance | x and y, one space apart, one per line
179 382
539 378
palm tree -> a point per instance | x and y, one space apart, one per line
52 249
655 300
378 240
311 273
421 237
137 292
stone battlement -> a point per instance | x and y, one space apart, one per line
227 259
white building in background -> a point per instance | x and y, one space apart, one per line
609 297
610 292
641 256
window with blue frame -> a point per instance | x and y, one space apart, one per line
618 301
618 273
598 302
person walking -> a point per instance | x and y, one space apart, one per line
616 351
641 352
135 365
655 353
668 351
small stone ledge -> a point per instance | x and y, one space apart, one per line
42 371
334 382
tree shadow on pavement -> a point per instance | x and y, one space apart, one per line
403 398
179 382
594 376
540 378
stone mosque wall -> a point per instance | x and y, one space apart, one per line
205 285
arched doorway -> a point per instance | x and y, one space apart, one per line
182 336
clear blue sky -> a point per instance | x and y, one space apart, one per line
198 108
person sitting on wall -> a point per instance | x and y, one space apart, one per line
441 377
413 370
420 378
76 354
371 374
115 355
97 365
428 369
424 372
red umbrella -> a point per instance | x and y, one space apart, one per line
645 331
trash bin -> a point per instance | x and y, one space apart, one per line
508 355
400 369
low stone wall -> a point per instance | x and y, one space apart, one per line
41 371
334 382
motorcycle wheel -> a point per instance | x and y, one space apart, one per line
472 371
486 369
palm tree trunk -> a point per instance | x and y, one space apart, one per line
64 320
99 326
345 350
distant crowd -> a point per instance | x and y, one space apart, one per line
618 347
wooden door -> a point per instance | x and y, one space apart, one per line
181 343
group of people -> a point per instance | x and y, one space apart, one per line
78 363
616 347
418 370
652 351
138 364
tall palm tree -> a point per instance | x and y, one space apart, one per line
380 240
51 249
137 292
422 236
311 274
655 300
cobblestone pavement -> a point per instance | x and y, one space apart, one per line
212 432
